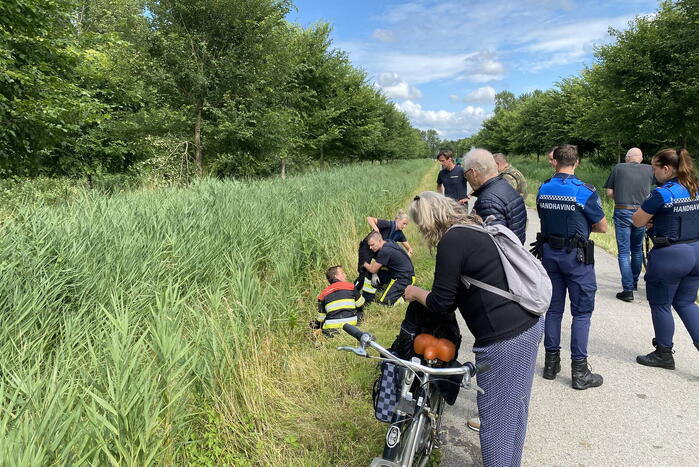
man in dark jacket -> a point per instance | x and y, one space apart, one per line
496 197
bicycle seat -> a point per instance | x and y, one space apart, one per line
432 347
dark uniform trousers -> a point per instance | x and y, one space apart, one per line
568 275
672 281
363 281
391 289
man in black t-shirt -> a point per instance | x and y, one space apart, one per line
393 266
451 181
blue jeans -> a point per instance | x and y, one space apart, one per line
629 240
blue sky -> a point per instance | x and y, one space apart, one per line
442 61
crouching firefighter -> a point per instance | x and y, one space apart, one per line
393 266
366 282
569 210
389 230
338 304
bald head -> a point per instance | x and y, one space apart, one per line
634 155
500 161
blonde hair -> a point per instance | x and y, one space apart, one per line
400 215
434 213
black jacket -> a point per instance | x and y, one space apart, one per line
496 197
490 317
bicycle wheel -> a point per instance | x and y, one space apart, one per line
419 443
428 438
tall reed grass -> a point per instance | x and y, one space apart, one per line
131 325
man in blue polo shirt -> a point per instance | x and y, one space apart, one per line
450 181
569 210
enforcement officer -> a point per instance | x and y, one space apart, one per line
569 210
393 266
672 275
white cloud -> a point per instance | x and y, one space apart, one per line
448 124
392 86
384 35
454 97
485 94
568 43
483 66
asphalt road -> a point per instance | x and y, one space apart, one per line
640 416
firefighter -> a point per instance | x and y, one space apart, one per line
389 230
338 304
393 266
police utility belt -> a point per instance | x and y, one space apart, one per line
585 248
662 242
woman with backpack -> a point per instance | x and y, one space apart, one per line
507 336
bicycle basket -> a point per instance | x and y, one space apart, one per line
386 392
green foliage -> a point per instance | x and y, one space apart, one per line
230 87
642 91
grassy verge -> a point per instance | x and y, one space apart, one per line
537 172
327 416
169 326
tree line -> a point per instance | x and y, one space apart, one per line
228 87
642 90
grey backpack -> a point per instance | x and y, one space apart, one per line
527 279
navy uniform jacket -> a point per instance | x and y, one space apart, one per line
396 260
675 213
568 206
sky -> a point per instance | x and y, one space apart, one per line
442 61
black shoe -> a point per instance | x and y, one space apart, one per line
552 364
626 295
583 378
661 357
360 317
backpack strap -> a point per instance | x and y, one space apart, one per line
469 281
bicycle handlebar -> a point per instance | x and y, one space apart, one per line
353 331
367 339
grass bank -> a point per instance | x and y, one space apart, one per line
331 421
169 326
537 172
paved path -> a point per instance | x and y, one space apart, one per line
639 417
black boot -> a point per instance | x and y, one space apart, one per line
583 378
660 357
626 295
552 364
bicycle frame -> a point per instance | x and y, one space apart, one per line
417 409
